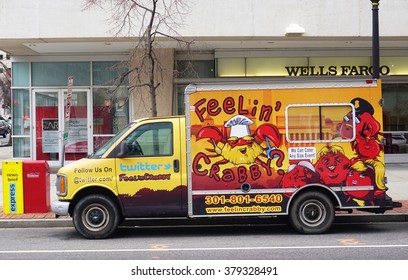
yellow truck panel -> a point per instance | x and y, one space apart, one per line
254 146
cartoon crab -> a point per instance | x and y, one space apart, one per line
363 174
241 146
367 144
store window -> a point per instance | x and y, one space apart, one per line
193 69
231 67
57 73
108 73
180 100
20 74
111 113
110 100
395 118
21 123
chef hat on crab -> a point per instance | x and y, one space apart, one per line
239 126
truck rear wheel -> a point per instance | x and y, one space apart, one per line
311 213
96 216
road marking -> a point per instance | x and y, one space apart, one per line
350 241
205 249
159 247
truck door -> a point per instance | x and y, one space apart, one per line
148 175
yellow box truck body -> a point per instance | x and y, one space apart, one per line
242 150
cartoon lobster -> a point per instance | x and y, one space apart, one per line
366 144
241 147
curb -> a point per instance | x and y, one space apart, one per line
36 223
373 218
67 222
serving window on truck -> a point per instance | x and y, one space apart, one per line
313 123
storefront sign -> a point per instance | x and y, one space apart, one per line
50 135
78 139
344 70
307 66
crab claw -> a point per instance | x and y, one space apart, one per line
270 132
210 132
368 126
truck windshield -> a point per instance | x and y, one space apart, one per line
108 144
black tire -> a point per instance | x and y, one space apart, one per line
96 216
311 213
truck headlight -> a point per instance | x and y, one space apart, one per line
61 185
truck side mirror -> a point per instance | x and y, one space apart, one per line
123 149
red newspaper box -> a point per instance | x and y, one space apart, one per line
36 185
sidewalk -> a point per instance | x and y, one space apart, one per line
397 175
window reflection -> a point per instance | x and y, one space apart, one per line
395 118
111 113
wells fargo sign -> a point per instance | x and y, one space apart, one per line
343 70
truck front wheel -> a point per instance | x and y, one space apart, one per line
96 216
311 213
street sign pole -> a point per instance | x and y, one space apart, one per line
67 113
375 40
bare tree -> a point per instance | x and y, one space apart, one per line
5 90
5 85
151 23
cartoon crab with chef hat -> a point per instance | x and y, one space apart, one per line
242 147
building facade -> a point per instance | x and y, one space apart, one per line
232 40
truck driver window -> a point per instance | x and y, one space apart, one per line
154 139
320 123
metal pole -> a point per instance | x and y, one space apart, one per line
375 40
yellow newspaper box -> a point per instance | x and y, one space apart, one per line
13 192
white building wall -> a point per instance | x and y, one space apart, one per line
53 19
271 17
44 19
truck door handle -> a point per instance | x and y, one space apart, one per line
176 165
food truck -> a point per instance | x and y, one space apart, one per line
304 150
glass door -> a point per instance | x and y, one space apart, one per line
78 144
49 106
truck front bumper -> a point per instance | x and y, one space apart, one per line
60 208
